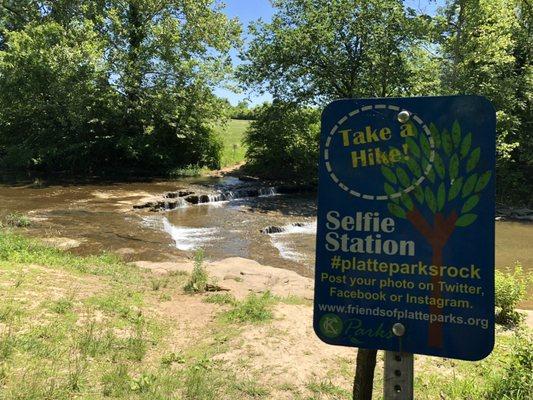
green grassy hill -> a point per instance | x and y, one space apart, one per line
232 134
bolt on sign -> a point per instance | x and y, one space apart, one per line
406 225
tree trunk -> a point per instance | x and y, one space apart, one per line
364 374
437 236
435 334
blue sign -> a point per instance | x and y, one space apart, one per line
406 225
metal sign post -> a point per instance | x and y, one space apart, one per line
398 376
398 370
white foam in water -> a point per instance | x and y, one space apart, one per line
280 241
305 229
267 192
286 252
189 238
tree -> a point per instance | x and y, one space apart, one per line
160 61
448 200
315 51
55 99
282 142
487 49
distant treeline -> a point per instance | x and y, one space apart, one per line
315 51
242 110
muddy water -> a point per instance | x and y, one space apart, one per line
88 218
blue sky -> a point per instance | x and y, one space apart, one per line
250 10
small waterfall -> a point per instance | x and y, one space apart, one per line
216 197
230 195
183 198
268 191
175 203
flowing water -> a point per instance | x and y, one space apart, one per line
88 218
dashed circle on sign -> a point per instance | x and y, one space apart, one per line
365 196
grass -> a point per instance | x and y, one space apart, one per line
89 327
232 134
221 298
254 308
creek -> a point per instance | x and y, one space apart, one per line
272 228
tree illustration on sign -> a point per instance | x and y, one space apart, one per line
448 198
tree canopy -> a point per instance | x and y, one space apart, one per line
90 84
314 51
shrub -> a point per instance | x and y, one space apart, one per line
198 280
511 288
282 143
517 383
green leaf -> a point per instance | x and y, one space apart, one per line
456 134
470 204
473 159
403 177
412 147
454 166
455 189
447 142
439 166
465 220
388 174
435 135
407 202
469 186
419 194
396 210
389 190
465 146
441 196
414 168
430 200
483 181
424 144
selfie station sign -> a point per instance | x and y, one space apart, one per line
405 239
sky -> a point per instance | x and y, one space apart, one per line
250 10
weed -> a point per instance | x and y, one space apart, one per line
17 220
158 283
220 298
171 358
198 280
178 273
165 297
254 308
511 288
61 306
77 367
200 382
251 388
517 382
116 382
142 383
327 388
